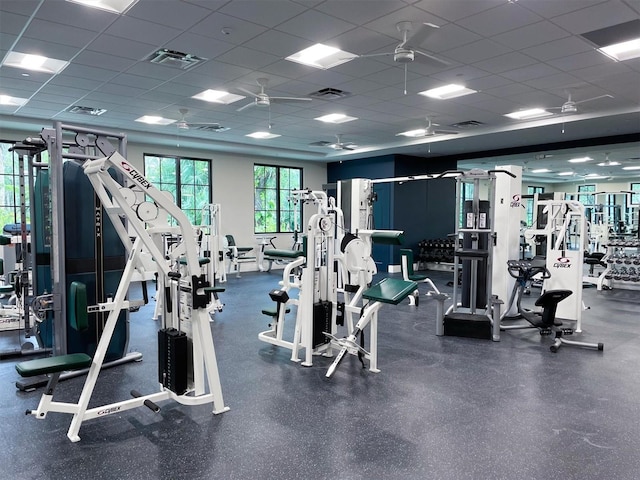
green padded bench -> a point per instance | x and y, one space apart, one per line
45 366
390 290
5 240
282 254
272 312
201 260
391 237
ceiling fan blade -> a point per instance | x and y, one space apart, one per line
289 99
375 55
252 104
594 98
424 57
248 92
445 132
421 34
203 124
322 143
349 147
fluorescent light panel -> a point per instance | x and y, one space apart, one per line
528 114
540 170
580 160
565 174
218 96
336 118
321 56
445 92
262 135
155 120
114 6
635 167
419 132
35 63
13 101
609 164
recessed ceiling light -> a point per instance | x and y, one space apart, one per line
336 118
448 91
155 120
218 96
36 63
540 170
530 113
262 135
635 167
580 160
115 6
610 163
622 51
419 132
13 101
321 56
565 174
595 176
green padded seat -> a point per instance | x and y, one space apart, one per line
388 238
4 289
275 253
232 243
214 289
201 260
5 240
390 290
273 312
411 275
78 316
44 366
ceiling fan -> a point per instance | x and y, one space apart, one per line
571 106
428 131
182 124
261 99
407 51
339 145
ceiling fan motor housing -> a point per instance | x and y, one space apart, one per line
569 107
262 100
403 55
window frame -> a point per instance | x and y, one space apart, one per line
584 194
194 214
278 201
531 191
634 198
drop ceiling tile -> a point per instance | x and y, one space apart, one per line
91 73
122 47
508 16
531 35
357 86
141 31
288 69
558 48
460 74
327 77
20 7
277 43
208 4
528 73
250 81
353 11
102 60
362 41
45 48
453 10
558 80
14 75
53 99
263 13
580 60
598 72
449 37
152 70
503 63
44 30
598 16
315 26
299 88
357 101
137 81
11 23
62 90
509 90
550 9
360 68
174 14
246 57
74 15
238 30
199 45
498 106
75 82
536 99
168 98
217 71
485 83
120 90
387 24
477 51
43 110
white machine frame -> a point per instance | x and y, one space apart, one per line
189 314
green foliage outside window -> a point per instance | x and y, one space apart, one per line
187 179
273 212
585 198
635 197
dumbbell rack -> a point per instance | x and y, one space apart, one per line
436 254
623 265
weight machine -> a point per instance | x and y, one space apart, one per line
188 372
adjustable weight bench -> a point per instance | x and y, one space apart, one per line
391 291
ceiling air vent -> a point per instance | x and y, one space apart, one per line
211 128
467 124
86 110
175 59
329 94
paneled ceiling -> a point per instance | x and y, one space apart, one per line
517 54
